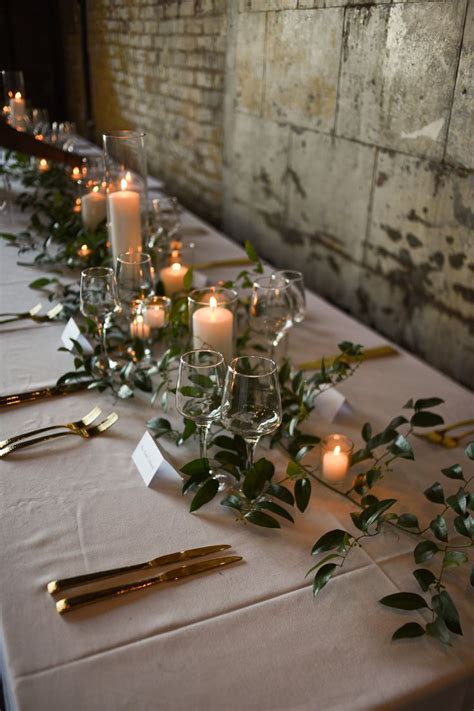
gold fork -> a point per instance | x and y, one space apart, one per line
73 426
86 433
440 436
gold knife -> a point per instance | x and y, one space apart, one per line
57 585
72 603
368 354
53 391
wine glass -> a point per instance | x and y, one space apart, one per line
297 293
134 278
251 403
99 301
271 308
201 378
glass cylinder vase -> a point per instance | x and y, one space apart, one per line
126 189
336 450
14 105
213 320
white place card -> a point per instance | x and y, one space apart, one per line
150 462
72 331
330 403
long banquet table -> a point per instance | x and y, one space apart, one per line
250 636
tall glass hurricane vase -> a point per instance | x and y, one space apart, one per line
251 403
126 188
14 106
271 308
99 301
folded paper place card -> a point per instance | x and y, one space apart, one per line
330 403
72 332
150 462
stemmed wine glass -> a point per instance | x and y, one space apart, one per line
201 378
99 301
251 403
297 293
271 308
134 278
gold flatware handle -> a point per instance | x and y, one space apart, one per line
58 585
368 354
19 398
73 603
87 420
242 262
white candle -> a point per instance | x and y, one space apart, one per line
124 216
77 206
213 329
139 329
84 251
43 165
155 316
335 464
17 106
93 209
76 174
173 277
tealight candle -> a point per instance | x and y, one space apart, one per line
77 206
139 329
213 328
155 316
173 278
124 217
43 165
84 251
335 457
76 174
93 208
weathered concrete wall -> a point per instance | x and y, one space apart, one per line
349 155
337 134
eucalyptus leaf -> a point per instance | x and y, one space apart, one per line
454 558
404 601
372 513
259 518
438 630
276 509
423 404
360 455
402 448
204 494
294 470
302 493
202 381
409 630
469 450
197 466
435 493
424 551
366 431
440 529
408 520
254 483
372 476
282 493
426 419
336 538
425 578
226 457
322 576
454 472
465 525
458 501
444 606
232 502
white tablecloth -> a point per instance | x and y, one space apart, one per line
251 636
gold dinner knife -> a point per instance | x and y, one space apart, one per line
53 391
58 585
367 354
72 603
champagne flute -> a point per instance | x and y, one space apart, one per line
201 378
297 293
134 278
271 308
251 403
99 301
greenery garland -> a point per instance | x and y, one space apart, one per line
261 497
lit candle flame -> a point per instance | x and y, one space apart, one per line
337 450
75 172
43 163
213 302
176 267
95 189
39 137
123 184
174 253
78 201
128 176
18 95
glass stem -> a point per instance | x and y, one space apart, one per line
203 433
102 339
251 445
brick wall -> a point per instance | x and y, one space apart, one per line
159 67
349 155
337 134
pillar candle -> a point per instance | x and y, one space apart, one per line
335 464
173 277
124 216
93 209
17 106
213 328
